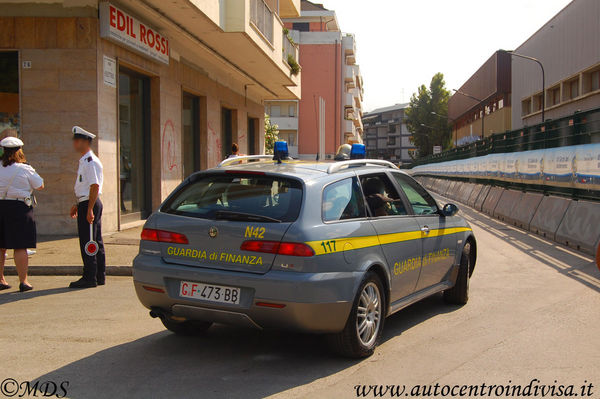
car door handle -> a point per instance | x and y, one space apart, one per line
425 229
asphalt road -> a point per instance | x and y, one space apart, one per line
533 313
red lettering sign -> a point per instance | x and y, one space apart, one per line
118 26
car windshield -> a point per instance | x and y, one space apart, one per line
238 197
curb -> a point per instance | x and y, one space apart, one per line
68 270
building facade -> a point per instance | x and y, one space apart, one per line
482 105
387 136
166 87
329 112
568 46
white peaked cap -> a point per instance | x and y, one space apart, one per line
83 132
11 142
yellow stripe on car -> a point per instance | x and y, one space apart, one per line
324 247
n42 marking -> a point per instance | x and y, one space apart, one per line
254 232
328 246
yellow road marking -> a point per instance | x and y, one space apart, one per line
321 248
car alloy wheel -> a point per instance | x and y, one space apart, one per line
368 318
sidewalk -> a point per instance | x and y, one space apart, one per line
59 255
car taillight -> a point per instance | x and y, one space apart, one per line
279 248
164 236
295 249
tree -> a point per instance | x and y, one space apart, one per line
425 116
271 135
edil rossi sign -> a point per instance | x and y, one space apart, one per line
119 26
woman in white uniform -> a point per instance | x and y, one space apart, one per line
17 225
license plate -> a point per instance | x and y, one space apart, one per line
210 292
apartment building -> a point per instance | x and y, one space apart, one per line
329 112
386 134
167 87
482 105
568 46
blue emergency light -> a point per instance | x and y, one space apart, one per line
358 151
280 151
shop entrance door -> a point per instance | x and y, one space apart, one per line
134 146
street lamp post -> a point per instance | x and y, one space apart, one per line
453 120
543 77
430 128
482 113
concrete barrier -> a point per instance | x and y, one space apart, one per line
507 202
454 190
492 200
450 189
481 197
474 194
442 186
580 226
523 212
549 215
466 193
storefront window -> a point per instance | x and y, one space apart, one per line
134 134
191 134
9 94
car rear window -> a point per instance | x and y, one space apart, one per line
209 196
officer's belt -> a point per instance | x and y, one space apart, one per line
26 200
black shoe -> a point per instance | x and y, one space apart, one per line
81 283
101 282
23 287
4 287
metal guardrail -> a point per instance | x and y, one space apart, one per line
575 129
262 17
289 48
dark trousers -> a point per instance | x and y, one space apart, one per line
94 267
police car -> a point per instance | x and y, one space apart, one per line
322 247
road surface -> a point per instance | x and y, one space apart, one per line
533 313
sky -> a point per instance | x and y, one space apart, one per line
401 44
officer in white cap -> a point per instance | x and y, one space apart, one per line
88 209
17 224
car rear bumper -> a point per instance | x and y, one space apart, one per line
311 302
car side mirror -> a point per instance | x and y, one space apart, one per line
449 210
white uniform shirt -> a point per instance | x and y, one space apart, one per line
24 182
89 172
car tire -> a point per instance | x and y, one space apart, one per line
459 294
368 313
188 328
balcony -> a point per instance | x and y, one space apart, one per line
235 41
290 51
285 122
349 46
358 123
262 18
350 76
357 93
349 127
289 8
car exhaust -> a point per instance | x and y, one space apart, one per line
165 315
158 313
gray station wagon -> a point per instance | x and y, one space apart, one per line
319 247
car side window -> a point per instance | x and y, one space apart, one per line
422 202
343 200
381 196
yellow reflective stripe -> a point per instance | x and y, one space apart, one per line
324 247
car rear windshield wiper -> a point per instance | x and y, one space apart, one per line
231 215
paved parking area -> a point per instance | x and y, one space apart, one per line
533 313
